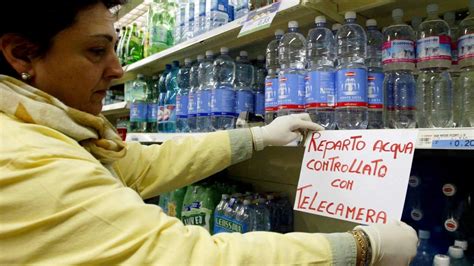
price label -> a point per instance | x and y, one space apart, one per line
465 144
259 19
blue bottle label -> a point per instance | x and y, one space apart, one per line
375 90
291 91
138 112
169 114
192 101
259 103
226 224
245 101
320 89
204 103
152 112
202 8
223 101
434 48
351 87
271 94
181 106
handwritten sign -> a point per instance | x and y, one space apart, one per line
259 19
359 175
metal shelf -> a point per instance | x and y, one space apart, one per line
121 108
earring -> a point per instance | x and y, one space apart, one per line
25 76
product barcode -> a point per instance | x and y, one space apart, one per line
425 140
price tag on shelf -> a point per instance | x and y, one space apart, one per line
259 19
446 138
465 144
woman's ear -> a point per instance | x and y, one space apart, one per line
18 52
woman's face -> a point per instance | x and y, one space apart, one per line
81 63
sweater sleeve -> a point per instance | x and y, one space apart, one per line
152 170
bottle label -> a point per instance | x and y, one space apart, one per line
351 87
398 51
375 90
202 8
291 91
169 113
245 101
226 224
259 103
152 112
434 48
197 216
320 89
466 46
161 112
223 101
138 112
271 94
192 100
203 103
191 16
181 106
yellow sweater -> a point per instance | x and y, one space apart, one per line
59 205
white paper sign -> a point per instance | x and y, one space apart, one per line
356 175
259 19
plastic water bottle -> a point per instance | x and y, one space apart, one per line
244 80
219 213
192 95
203 104
169 115
182 97
320 78
241 8
450 18
286 214
404 99
190 20
138 106
259 86
231 9
456 255
246 217
292 58
223 95
351 75
152 110
262 216
218 15
181 23
161 98
425 252
466 62
274 213
201 17
375 75
271 81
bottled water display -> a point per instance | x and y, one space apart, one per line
244 80
161 22
292 59
203 103
466 62
223 94
320 87
351 75
259 86
182 96
271 81
138 106
375 75
192 95
162 97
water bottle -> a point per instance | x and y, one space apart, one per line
169 115
246 217
262 216
274 213
231 9
466 62
292 59
335 27
223 95
181 23
404 99
190 20
218 15
424 252
244 80
456 255
415 24
424 83
201 16
203 104
450 18
161 98
351 75
219 214
139 106
271 81
320 78
152 110
192 95
241 9
182 97
259 86
375 75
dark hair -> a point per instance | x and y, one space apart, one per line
40 20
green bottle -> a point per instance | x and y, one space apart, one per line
157 28
134 46
122 47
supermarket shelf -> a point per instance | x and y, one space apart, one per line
121 108
428 138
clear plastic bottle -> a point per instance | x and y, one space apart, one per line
169 115
466 62
192 95
201 16
219 214
161 98
466 83
241 8
351 75
217 11
246 217
320 87
271 81
223 95
262 216
450 18
244 81
259 86
203 104
152 110
425 252
181 23
404 99
182 98
138 106
292 59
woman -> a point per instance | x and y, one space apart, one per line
72 190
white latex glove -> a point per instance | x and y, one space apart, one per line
282 130
392 244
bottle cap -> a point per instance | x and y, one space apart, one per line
246 202
188 61
279 32
456 252
200 57
209 53
441 260
260 58
449 16
449 190
350 15
371 22
451 225
461 243
432 8
140 76
336 26
243 54
397 13
293 24
224 50
424 234
413 181
320 19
